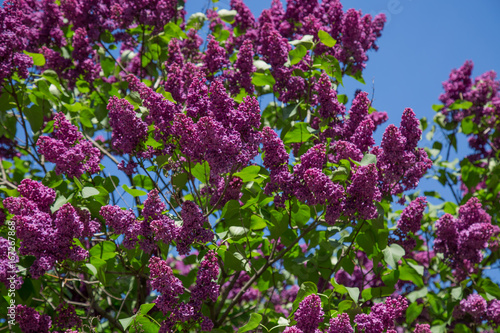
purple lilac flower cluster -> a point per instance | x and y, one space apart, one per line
14 40
49 237
483 95
461 240
66 148
157 226
284 298
401 164
478 309
31 321
128 129
66 317
241 77
409 222
309 184
170 287
355 34
309 314
382 315
8 265
340 324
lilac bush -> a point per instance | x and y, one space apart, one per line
165 173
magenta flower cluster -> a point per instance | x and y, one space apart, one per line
410 222
401 164
66 148
49 237
382 316
128 129
170 288
461 240
475 307
31 321
157 226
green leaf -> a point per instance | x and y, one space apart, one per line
144 324
89 192
460 105
34 114
260 80
237 232
307 288
437 107
368 159
173 30
227 15
298 133
261 65
392 254
104 250
252 324
132 191
201 172
92 269
297 54
456 293
414 295
145 308
326 39
307 41
250 173
467 125
107 65
490 287
407 273
38 58
127 321
52 179
83 86
413 311
353 293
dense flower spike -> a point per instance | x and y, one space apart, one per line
48 237
382 316
192 228
362 192
215 58
128 129
341 324
327 98
309 314
72 154
462 240
244 68
161 111
163 280
9 273
31 321
401 165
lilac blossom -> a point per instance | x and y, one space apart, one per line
215 58
327 98
31 321
340 324
48 237
128 129
309 314
68 150
462 239
192 228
